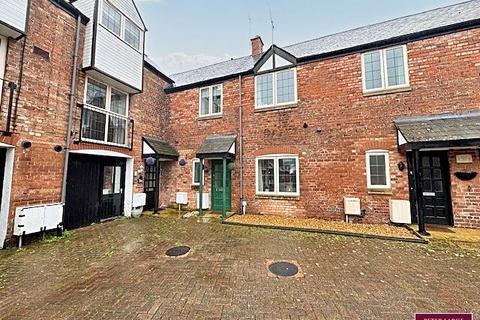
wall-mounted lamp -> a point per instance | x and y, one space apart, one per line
305 125
182 162
150 161
58 148
401 166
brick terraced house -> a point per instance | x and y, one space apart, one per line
381 123
78 97
376 124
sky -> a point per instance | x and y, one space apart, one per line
188 34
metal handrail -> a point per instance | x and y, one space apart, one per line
129 127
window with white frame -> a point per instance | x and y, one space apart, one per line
120 25
378 169
277 175
132 34
197 172
385 69
112 18
276 88
105 114
211 100
3 57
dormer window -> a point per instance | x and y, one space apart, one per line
121 26
276 88
275 80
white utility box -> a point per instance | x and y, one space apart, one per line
205 201
400 211
182 198
352 206
38 218
138 202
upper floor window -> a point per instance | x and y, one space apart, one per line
132 34
211 100
385 69
378 169
105 113
276 88
277 175
120 25
112 18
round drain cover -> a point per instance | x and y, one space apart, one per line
283 269
177 251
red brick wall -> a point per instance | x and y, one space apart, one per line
465 194
41 115
42 112
187 132
150 113
444 76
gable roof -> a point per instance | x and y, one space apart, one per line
216 145
462 15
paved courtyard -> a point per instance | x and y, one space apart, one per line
118 270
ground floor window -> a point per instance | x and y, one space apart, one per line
196 172
378 170
277 175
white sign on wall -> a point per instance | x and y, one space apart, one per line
464 158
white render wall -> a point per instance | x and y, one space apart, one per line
14 13
113 57
87 7
117 59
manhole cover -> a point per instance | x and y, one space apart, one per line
177 251
283 269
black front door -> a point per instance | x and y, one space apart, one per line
150 184
94 190
113 184
435 181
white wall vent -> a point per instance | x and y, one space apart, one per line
182 198
352 206
400 211
205 201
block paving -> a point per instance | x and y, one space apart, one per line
118 270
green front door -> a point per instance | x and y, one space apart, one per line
217 186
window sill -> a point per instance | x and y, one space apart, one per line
99 142
277 197
386 91
274 108
216 116
374 191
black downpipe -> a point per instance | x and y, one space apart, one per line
12 86
20 78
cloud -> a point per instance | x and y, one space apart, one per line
181 61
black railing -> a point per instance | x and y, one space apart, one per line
80 134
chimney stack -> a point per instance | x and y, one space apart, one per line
257 45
